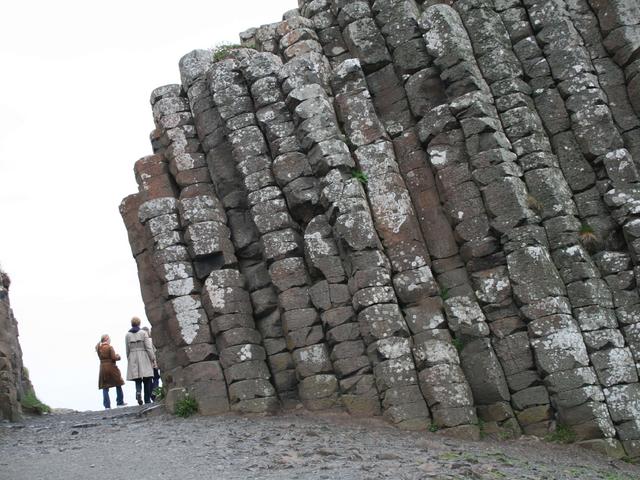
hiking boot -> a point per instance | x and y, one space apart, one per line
139 398
123 404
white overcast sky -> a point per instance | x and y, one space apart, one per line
74 117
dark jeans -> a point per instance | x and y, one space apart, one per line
146 381
106 401
155 382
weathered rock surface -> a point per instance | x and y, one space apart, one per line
422 210
295 444
14 379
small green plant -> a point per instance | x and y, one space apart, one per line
456 342
481 426
448 456
186 406
534 204
159 393
433 428
497 474
615 476
587 236
562 434
444 293
31 404
505 434
223 50
360 176
586 229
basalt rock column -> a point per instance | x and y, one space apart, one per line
440 198
293 173
549 194
176 246
281 240
620 26
382 325
558 43
227 181
14 380
398 228
403 53
226 301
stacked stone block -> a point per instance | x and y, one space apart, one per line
225 297
402 178
330 157
280 236
589 294
620 27
172 230
453 138
398 228
294 175
549 196
331 294
227 182
398 24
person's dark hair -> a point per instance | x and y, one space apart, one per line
135 322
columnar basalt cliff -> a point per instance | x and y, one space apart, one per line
14 381
421 210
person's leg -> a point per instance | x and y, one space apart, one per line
106 401
139 390
147 389
119 395
155 383
156 378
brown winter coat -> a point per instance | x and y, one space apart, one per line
110 375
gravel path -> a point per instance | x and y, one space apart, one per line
125 443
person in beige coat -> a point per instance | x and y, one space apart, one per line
140 358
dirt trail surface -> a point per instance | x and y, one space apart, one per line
125 443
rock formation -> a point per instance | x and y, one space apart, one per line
14 380
421 210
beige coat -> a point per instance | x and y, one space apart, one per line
140 355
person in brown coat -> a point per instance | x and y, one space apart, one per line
110 375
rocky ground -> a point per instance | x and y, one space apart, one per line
129 442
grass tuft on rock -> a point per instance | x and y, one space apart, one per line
32 404
534 204
186 406
159 393
588 237
562 434
360 176
223 50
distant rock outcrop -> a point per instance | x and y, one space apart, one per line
424 210
14 380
